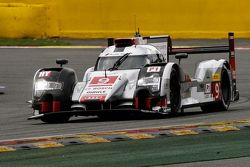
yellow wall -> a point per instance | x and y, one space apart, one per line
28 18
116 18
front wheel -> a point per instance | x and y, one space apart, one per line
175 94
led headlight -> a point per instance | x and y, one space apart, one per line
153 82
47 85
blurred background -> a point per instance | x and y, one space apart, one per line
109 18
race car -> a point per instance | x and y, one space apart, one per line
136 75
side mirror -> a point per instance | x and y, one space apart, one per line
61 62
180 56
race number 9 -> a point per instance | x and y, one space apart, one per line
216 90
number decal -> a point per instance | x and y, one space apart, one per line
208 88
216 90
154 69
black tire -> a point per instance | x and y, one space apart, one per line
175 94
55 119
225 88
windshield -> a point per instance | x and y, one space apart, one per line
131 62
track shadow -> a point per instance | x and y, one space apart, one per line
139 116
134 117
143 116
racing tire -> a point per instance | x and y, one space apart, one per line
225 88
175 94
55 119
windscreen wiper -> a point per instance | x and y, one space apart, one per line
119 61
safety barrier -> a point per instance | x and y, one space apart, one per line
109 18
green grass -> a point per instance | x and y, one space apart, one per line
33 42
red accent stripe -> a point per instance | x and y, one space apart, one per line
233 68
148 103
136 102
232 54
56 106
45 106
92 97
162 102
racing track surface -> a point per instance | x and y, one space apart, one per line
17 67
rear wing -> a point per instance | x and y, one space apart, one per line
230 49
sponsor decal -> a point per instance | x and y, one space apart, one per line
154 69
92 97
95 92
216 91
216 77
208 88
44 74
98 88
103 81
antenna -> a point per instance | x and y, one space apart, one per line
135 23
105 73
137 32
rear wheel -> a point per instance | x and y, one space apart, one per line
175 94
225 90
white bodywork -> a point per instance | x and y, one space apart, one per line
110 85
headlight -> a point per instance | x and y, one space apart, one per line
47 85
152 81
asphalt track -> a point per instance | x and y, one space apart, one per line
18 65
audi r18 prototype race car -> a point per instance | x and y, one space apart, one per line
136 75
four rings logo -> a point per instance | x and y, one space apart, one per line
103 80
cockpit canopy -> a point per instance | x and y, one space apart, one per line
131 62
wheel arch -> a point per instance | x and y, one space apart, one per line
224 82
210 70
165 86
166 80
